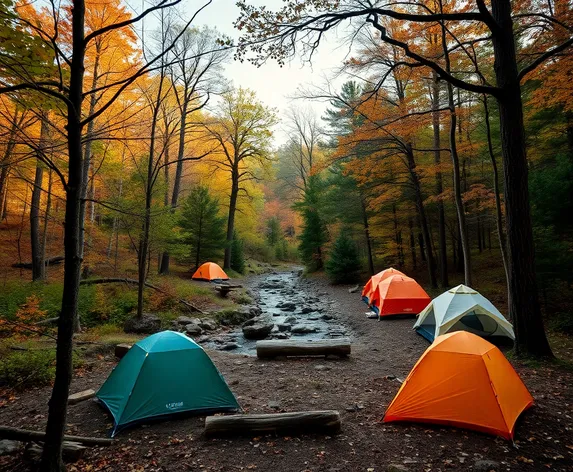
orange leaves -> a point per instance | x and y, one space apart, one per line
27 315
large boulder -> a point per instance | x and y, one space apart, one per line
257 331
193 329
208 325
147 324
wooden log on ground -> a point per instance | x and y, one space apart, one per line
121 350
48 262
81 396
25 435
324 347
71 451
322 422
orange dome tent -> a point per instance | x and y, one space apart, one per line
462 380
373 282
398 295
210 271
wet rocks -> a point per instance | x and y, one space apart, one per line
234 317
305 310
303 329
287 306
291 319
230 346
147 324
193 329
327 317
257 331
282 327
208 325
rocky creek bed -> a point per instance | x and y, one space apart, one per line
285 307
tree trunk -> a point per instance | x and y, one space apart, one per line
367 236
498 209
5 165
38 268
88 157
443 256
412 244
422 214
164 268
57 409
144 239
46 222
524 307
456 166
231 219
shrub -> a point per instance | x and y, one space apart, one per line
343 265
562 322
26 369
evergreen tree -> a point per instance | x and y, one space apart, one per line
237 254
343 265
273 231
203 230
313 234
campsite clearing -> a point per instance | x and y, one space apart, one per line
360 388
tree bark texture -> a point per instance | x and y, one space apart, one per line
419 200
443 256
231 218
524 306
38 267
57 410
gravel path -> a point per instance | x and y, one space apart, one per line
360 387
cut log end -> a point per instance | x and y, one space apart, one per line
303 422
292 348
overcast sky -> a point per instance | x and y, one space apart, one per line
273 84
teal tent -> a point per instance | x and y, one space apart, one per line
162 375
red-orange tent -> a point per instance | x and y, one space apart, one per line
398 295
373 282
462 380
210 271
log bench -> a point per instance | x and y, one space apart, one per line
324 347
81 396
302 422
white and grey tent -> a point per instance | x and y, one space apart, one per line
462 309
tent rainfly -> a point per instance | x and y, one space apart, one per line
164 374
464 381
399 295
210 271
462 309
373 282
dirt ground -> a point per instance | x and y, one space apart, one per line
360 387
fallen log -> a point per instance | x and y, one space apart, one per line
322 422
51 261
81 396
323 347
111 280
25 435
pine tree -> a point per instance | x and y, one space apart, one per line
203 230
237 254
313 234
343 265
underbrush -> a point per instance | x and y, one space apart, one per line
34 366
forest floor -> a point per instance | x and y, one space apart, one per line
360 387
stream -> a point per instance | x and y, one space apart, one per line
293 308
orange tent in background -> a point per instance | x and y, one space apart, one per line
398 295
210 271
373 282
462 380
